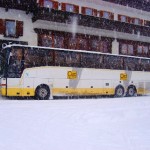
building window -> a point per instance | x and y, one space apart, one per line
145 49
88 11
95 45
104 46
72 43
10 28
139 50
69 8
124 49
136 21
127 49
123 18
58 41
106 15
48 4
47 41
82 43
130 50
142 50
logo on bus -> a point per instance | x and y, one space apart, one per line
72 75
123 76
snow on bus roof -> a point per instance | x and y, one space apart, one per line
68 50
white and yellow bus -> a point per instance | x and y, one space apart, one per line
49 72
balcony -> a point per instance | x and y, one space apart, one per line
25 5
90 21
138 4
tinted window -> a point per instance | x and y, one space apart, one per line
130 63
60 58
87 60
34 57
2 65
74 59
15 63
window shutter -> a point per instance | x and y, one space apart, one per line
63 6
145 22
76 10
55 5
19 28
95 12
119 17
129 19
2 26
111 16
132 20
141 22
101 14
83 10
41 3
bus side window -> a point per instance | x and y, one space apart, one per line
83 60
91 61
75 59
136 64
126 63
101 61
144 62
139 66
96 58
68 59
50 58
106 64
26 58
112 62
131 64
60 58
121 63
148 65
29 57
88 61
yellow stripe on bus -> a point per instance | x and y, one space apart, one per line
18 92
67 91
83 91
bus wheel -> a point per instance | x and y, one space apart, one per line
42 92
131 91
119 91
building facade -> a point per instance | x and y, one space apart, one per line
108 26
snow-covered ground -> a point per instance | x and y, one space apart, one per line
93 124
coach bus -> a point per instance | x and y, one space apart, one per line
45 73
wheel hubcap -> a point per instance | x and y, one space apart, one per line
43 92
131 91
119 92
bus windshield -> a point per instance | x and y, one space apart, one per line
2 65
26 57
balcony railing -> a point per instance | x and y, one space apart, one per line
90 21
26 5
138 4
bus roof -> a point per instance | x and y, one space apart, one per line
68 50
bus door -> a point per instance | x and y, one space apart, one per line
14 71
27 82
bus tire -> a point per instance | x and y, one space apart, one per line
119 91
131 91
42 92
